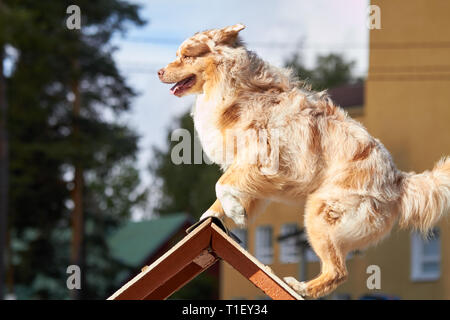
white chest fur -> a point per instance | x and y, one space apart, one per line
205 122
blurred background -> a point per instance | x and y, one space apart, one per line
86 176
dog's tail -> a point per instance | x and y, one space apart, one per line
426 197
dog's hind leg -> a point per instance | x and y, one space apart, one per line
319 221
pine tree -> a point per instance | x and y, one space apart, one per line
63 84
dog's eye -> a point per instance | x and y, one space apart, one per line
187 59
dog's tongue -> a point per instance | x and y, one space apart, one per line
180 86
176 88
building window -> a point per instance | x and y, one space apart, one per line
242 235
289 251
426 256
264 244
311 256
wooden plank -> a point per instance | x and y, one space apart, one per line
249 267
189 272
205 259
167 266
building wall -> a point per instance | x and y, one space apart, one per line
232 284
407 107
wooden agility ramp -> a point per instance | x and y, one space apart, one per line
206 243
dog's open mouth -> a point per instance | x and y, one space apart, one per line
183 85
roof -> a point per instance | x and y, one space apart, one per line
349 95
206 242
133 243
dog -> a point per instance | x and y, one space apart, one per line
354 192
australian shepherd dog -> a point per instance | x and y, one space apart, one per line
295 144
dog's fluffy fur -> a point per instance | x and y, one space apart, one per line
354 191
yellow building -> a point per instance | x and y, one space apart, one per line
407 107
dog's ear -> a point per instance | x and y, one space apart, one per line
229 34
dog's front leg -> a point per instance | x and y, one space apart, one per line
234 198
232 202
215 210
239 208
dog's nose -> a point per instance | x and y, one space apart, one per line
161 72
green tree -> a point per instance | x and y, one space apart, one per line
329 71
61 87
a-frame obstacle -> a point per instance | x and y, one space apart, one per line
204 245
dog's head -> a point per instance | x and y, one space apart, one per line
197 60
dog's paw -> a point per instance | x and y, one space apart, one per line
229 198
300 287
210 213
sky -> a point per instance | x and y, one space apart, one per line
274 30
